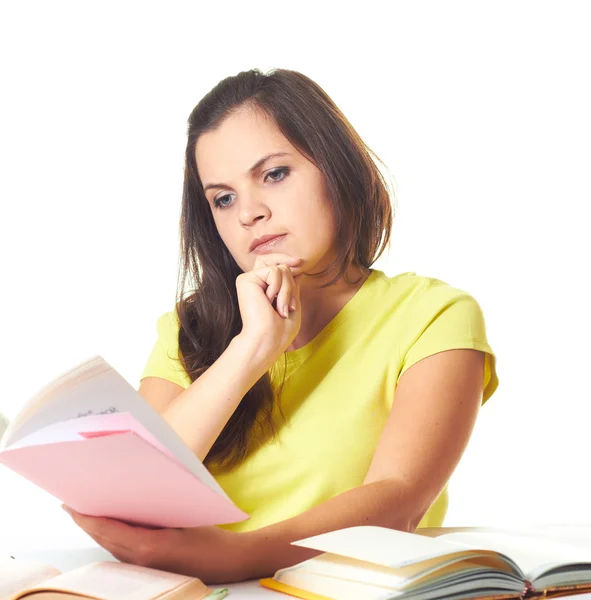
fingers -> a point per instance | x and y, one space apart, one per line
286 292
274 281
262 276
274 259
274 273
125 542
294 302
278 282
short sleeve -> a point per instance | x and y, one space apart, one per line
164 359
449 319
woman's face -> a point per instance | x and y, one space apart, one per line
283 195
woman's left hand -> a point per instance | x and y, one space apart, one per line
212 554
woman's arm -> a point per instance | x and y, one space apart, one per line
430 423
200 412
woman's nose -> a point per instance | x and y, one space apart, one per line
252 209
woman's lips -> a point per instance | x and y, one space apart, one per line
268 245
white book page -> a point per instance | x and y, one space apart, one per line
116 581
17 575
45 396
330 587
63 431
530 553
421 574
343 567
76 430
97 389
387 547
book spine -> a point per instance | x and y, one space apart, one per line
530 592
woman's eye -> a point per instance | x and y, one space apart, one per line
279 171
274 174
218 201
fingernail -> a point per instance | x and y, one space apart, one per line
66 509
285 311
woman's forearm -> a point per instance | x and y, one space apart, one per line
199 414
383 503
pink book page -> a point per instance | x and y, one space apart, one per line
118 422
85 427
146 488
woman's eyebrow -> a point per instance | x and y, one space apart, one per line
259 163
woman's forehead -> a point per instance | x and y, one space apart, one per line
241 129
236 145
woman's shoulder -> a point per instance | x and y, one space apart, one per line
170 318
421 298
168 325
410 283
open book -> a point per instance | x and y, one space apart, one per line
89 439
376 563
99 581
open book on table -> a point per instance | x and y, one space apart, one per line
89 439
98 581
376 563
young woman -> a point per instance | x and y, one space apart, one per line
320 392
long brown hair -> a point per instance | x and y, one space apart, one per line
207 302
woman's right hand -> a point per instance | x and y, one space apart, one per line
274 279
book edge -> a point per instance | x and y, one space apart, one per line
277 586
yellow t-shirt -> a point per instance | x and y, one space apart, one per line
338 391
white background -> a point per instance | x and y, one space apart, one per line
480 111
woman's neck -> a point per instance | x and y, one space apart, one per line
320 306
